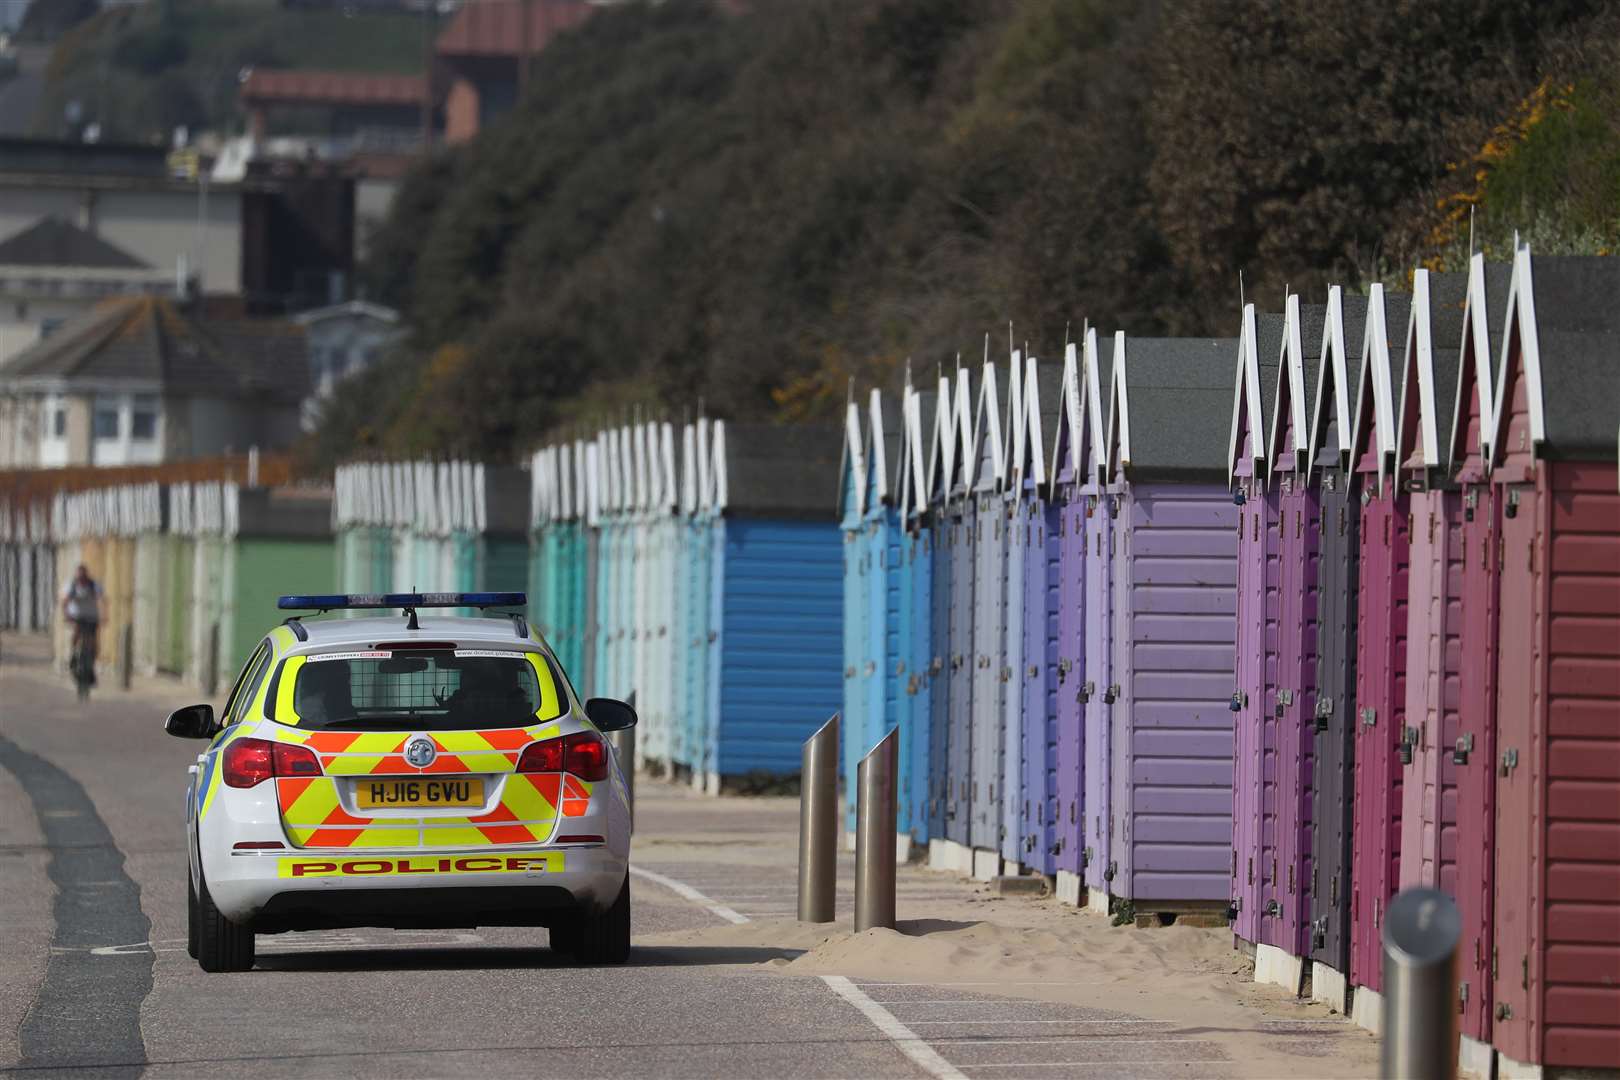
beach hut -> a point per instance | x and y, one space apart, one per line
613 562
959 524
853 487
1099 690
1557 891
653 532
1380 654
557 571
1174 578
282 539
28 566
947 677
1008 786
1040 536
692 601
989 626
916 664
1332 712
883 666
1252 867
1474 753
1071 450
773 536
1428 385
1285 916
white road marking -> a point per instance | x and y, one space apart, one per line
1091 1040
926 1057
685 891
1093 1064
919 1023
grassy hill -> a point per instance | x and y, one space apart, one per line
751 211
143 70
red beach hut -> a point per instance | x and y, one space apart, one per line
1556 959
1380 656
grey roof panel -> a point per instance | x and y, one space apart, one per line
1180 397
782 471
52 241
1577 293
1580 391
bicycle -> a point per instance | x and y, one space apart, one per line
83 664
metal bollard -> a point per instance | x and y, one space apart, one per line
1421 929
818 824
876 807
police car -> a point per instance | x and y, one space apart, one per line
406 772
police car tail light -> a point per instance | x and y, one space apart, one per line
249 762
292 760
584 754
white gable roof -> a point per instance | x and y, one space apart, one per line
1474 361
1417 356
1290 367
1248 417
1373 386
1331 365
1521 320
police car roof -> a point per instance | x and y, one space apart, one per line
328 632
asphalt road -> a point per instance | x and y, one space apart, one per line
95 980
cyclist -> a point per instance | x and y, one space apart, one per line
81 605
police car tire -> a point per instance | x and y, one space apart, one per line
221 944
193 932
598 937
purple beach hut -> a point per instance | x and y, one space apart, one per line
1174 575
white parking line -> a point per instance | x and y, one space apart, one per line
686 891
906 1040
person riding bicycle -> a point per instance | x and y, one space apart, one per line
81 605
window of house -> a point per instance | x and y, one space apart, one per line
59 422
49 326
106 421
143 418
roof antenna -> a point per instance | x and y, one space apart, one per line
410 612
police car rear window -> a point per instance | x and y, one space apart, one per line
417 690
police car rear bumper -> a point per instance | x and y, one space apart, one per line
298 890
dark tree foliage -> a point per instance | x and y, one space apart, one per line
1289 136
747 211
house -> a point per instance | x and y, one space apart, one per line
53 271
344 340
149 379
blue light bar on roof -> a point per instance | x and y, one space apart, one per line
359 601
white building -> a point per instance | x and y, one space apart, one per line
53 271
143 380
344 340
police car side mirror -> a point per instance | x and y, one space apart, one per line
192 722
610 714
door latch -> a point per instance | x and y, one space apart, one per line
1324 709
1111 695
1464 747
1369 716
1087 689
1510 761
1239 699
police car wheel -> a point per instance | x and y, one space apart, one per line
193 931
221 944
600 937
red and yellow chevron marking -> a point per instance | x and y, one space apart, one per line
314 817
